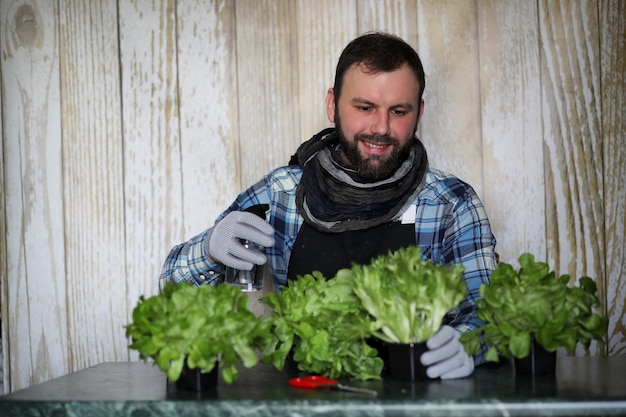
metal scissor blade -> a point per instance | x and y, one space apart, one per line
358 390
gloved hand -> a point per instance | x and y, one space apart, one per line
446 358
224 241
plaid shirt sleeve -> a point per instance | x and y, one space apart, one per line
451 228
187 262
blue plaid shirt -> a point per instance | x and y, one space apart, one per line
451 226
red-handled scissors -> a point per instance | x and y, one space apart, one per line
317 381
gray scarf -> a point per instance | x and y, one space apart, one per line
332 198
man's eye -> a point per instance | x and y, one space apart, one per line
399 112
364 108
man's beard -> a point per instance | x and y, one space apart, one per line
373 167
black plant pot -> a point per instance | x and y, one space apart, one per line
538 362
197 380
402 361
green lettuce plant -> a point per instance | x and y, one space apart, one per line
326 323
198 325
406 296
531 303
323 326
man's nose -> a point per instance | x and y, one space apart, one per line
380 124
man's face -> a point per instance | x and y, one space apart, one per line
376 118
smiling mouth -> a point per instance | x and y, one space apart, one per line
377 147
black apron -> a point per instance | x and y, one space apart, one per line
329 252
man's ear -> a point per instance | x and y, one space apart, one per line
330 105
419 117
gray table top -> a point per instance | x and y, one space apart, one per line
581 386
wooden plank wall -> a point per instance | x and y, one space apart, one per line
128 126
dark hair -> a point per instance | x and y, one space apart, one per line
378 52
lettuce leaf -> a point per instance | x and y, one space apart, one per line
406 295
199 325
533 303
323 326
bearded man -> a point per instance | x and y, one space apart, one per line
355 192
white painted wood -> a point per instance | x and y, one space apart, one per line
153 197
323 30
450 127
571 118
398 17
4 311
267 92
209 113
267 88
613 76
511 129
93 185
35 284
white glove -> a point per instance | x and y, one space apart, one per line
224 243
446 358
